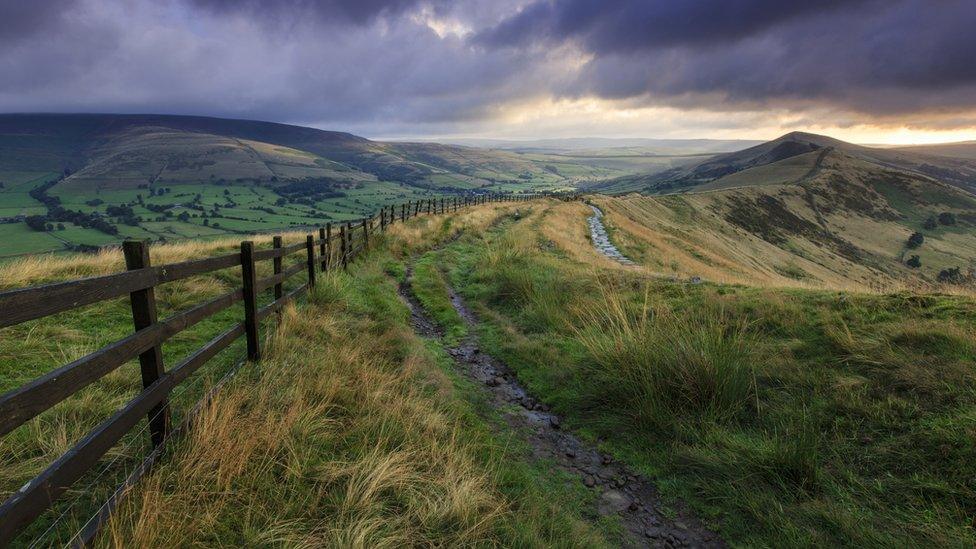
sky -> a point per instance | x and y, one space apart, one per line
869 71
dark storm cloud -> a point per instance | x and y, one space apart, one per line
873 56
357 11
19 18
623 26
410 66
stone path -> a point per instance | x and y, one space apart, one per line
601 240
621 491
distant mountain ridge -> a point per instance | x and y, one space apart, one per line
954 170
226 149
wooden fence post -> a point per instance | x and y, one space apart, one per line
310 251
323 249
383 219
277 268
250 301
342 236
403 212
143 304
327 255
365 235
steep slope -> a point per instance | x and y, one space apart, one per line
847 222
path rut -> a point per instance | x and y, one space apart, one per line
621 491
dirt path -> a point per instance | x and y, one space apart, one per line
620 490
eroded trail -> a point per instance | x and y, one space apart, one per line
621 491
601 239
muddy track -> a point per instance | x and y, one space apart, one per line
621 491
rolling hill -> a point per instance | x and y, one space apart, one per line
78 181
125 150
805 209
945 163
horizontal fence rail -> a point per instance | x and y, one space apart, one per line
331 247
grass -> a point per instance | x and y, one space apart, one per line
664 367
785 417
351 431
430 288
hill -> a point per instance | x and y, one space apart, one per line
921 162
962 149
77 181
174 149
488 378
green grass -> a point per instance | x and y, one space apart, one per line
34 348
787 418
18 239
430 288
352 429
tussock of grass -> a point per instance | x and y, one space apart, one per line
659 366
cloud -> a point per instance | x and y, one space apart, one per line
869 56
440 66
330 11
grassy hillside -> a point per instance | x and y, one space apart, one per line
790 418
846 226
958 171
229 176
785 417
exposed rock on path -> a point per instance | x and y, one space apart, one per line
621 491
601 240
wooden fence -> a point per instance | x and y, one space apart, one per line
332 247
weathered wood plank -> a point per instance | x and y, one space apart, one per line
18 306
27 401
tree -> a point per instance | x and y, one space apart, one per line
947 218
915 240
60 226
184 216
950 275
914 262
931 223
36 222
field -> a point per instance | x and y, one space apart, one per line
235 204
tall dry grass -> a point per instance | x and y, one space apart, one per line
663 366
349 433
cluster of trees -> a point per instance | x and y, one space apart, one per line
307 191
952 275
58 214
124 213
944 218
917 239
